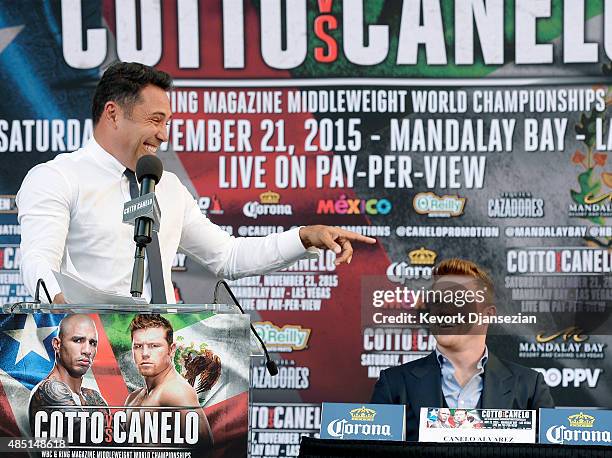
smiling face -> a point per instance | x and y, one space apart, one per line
77 345
151 352
141 130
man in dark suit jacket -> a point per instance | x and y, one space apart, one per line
418 384
472 375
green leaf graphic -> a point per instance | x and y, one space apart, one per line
588 187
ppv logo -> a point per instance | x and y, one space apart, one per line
428 203
575 376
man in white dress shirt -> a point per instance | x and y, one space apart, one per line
70 208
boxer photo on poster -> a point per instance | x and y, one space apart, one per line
75 349
153 351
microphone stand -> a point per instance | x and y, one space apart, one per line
270 365
34 305
138 271
142 237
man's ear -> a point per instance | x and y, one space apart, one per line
56 343
491 310
172 349
111 113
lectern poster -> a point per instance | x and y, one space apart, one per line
439 424
143 385
576 426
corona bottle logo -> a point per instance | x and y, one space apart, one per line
422 257
581 420
269 197
363 414
268 205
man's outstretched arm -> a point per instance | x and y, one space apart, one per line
235 257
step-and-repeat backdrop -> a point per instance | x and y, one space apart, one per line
476 129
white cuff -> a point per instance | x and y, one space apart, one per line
291 248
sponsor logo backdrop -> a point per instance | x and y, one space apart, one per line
291 115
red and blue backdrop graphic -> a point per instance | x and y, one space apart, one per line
495 150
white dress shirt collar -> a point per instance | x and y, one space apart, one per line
104 158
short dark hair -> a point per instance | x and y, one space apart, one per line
147 321
456 266
122 83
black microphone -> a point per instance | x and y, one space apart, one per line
271 365
149 170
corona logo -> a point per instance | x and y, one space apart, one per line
269 197
268 205
363 414
422 257
581 420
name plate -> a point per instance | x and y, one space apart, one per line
576 426
439 424
143 206
363 421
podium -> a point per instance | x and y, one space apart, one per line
169 380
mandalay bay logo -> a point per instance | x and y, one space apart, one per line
581 428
